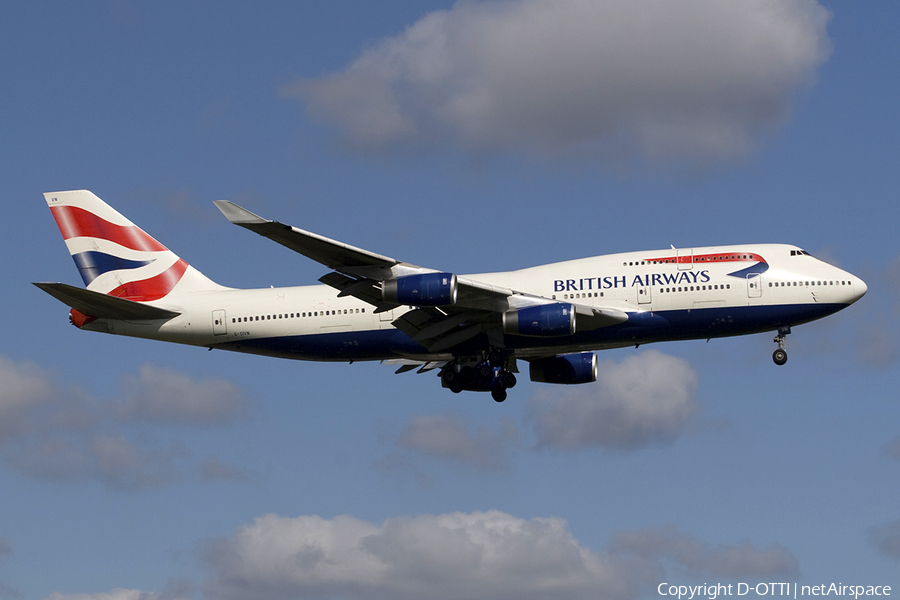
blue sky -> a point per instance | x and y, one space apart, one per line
469 137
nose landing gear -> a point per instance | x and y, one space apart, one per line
780 355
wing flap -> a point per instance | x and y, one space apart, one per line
102 306
367 290
406 365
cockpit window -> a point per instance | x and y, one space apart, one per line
800 253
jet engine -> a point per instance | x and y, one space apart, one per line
543 320
427 289
578 367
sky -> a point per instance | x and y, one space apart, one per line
468 137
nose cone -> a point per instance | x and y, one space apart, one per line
859 289
854 289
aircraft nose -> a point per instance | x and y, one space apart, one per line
855 289
859 289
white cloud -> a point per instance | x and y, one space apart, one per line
621 80
453 556
175 590
165 396
734 561
212 469
886 538
449 436
116 594
645 399
64 435
112 460
462 555
23 387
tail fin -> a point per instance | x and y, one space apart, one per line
116 257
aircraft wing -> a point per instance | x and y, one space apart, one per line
331 253
359 272
477 309
103 306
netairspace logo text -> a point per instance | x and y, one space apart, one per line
713 591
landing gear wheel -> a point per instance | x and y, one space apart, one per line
508 379
450 377
485 371
498 394
495 358
779 356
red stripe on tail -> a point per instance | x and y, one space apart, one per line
154 288
77 222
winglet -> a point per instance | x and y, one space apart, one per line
237 214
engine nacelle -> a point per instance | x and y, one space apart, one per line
427 289
544 320
578 367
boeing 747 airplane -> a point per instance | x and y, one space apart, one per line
472 329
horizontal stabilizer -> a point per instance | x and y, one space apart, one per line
102 306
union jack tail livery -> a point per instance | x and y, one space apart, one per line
114 256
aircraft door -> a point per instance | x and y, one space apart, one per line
218 322
685 259
644 294
754 285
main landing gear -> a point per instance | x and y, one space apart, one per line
780 355
480 375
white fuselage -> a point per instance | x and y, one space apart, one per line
668 295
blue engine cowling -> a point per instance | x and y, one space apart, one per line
427 289
545 320
579 367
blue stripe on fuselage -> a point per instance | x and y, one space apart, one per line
641 328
